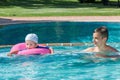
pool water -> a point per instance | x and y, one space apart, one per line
57 32
67 62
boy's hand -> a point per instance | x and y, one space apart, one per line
9 54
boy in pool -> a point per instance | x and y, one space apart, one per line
100 37
31 41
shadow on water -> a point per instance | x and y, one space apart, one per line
49 32
56 32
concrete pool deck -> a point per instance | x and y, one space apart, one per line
13 20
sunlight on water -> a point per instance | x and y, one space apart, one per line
67 63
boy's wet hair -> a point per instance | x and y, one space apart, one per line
103 31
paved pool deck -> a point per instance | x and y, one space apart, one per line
14 20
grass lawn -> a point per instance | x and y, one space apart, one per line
58 8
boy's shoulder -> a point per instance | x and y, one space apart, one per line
90 49
111 49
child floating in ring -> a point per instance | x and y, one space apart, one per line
30 47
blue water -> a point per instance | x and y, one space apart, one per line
67 62
54 32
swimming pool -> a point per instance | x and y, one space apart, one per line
56 32
68 62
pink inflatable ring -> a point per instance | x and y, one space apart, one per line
21 48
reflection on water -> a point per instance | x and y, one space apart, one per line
56 32
67 63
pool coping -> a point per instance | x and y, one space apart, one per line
15 20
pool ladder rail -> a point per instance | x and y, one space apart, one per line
55 44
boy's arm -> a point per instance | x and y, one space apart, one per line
88 50
51 50
10 54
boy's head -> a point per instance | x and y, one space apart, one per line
31 40
103 31
100 36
